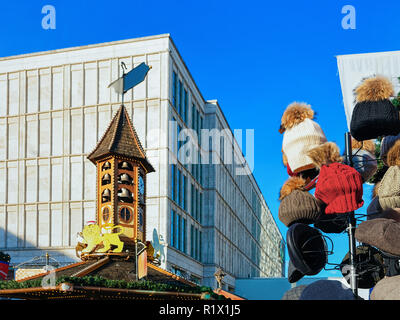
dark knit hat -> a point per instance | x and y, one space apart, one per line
327 290
299 206
340 187
387 289
294 293
307 248
332 223
374 114
382 233
369 266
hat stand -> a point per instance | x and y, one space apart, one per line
351 224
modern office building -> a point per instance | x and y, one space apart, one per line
54 108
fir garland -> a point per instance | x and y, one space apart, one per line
97 281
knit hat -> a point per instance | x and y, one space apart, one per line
365 163
332 223
389 189
374 208
294 275
369 266
374 114
387 289
340 187
327 290
386 144
307 248
301 133
297 205
382 233
294 293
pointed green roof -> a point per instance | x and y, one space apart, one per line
121 139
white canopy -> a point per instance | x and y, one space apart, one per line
354 67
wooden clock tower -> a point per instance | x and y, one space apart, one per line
121 178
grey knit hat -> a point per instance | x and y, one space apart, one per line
387 289
365 163
299 206
386 143
294 293
389 189
374 208
382 233
327 290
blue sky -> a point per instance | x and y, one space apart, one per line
255 57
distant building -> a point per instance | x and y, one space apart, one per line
56 105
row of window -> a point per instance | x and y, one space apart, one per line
179 97
178 187
179 193
178 236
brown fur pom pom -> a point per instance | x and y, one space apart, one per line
294 114
367 145
293 183
393 155
324 154
374 89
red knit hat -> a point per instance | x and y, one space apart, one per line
340 187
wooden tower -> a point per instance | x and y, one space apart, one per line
121 178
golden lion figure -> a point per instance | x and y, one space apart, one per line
93 237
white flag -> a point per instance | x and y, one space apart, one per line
117 85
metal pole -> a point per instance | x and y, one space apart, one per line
351 224
136 262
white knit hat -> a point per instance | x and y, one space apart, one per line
298 140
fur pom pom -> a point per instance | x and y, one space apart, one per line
284 159
294 114
374 89
393 155
324 154
293 183
367 145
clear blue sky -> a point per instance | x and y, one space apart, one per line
255 57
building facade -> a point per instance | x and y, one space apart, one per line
54 108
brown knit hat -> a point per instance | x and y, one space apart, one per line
382 233
299 206
389 189
387 289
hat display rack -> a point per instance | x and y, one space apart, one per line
314 162
351 224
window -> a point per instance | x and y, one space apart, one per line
185 106
106 214
125 215
183 236
179 94
172 229
178 232
173 182
184 184
174 88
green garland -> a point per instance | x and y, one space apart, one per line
97 281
